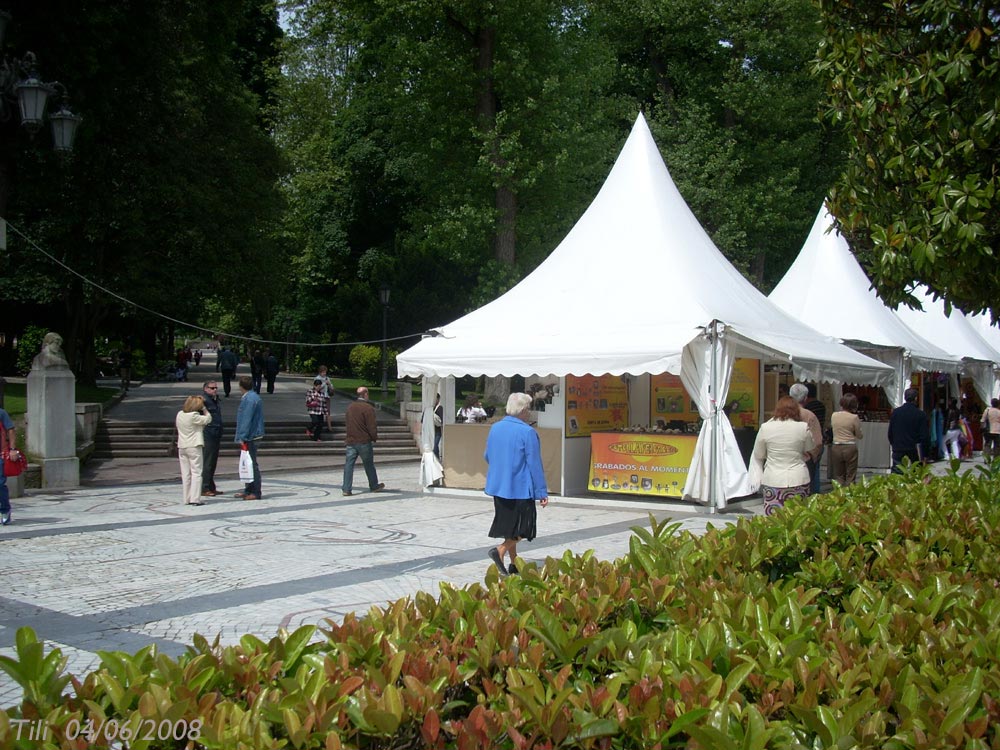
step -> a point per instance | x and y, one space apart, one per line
161 452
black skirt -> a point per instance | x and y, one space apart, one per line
513 519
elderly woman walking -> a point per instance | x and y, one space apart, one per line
516 480
779 456
190 422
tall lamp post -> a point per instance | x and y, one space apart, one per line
383 297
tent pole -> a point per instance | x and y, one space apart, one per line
713 502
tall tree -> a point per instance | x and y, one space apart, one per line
461 138
171 193
916 85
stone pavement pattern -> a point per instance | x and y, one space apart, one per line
119 568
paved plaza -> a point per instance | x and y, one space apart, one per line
119 568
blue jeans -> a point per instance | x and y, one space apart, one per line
4 492
253 487
814 474
367 454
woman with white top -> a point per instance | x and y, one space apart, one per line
472 411
191 422
846 433
779 456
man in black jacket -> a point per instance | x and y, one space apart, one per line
907 431
213 436
227 364
270 370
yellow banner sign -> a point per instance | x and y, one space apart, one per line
640 463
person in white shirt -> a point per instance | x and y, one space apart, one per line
779 456
473 410
191 422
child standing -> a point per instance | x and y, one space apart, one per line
316 406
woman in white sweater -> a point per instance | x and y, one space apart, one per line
779 456
191 421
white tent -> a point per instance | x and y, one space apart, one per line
637 286
957 336
991 335
827 289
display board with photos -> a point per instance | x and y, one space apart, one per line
670 402
595 403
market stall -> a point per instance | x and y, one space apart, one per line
603 318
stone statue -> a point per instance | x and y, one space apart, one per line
51 355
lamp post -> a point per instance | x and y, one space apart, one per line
383 297
25 97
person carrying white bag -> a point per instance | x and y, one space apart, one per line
249 433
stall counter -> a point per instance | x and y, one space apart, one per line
463 445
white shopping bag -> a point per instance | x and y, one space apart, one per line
246 466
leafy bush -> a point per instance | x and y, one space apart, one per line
29 344
865 618
366 363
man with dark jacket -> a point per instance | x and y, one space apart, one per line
213 437
907 430
227 364
270 370
362 432
257 369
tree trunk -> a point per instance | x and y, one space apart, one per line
82 321
487 106
496 390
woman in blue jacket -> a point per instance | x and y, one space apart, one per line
515 479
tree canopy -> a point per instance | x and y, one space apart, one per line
915 85
171 193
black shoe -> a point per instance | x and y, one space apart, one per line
512 569
347 494
379 488
497 560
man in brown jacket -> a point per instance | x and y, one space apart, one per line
362 432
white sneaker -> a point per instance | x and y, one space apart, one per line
5 519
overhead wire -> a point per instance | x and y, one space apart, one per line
185 324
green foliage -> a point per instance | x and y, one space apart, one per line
868 617
29 344
170 197
916 85
366 363
727 89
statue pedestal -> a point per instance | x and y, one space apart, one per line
52 425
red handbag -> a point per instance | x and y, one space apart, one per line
12 467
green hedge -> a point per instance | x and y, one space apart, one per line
868 617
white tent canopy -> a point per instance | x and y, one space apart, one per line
636 286
958 337
827 289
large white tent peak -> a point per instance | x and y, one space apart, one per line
826 277
633 282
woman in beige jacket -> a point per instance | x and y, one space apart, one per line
846 434
779 456
191 421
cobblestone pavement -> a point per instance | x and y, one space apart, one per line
119 568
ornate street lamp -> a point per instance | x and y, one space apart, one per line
19 82
383 297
